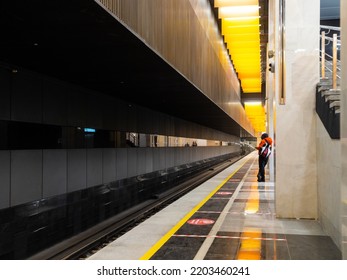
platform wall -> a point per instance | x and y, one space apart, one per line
34 164
328 182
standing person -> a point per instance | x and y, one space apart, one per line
264 149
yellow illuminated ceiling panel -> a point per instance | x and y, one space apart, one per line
240 27
223 3
240 24
256 113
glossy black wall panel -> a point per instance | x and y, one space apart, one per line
77 169
25 135
49 118
108 165
179 129
55 102
26 176
5 179
162 124
121 109
54 172
77 107
186 156
30 97
149 160
195 154
169 157
95 110
52 137
178 158
122 163
94 167
38 224
109 114
141 159
5 95
156 158
170 123
26 98
132 162
131 120
76 138
103 139
4 135
144 119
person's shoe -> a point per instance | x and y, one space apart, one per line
259 178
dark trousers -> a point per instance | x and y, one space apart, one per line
262 163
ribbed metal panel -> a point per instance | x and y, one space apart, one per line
184 33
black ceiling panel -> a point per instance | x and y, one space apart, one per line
79 42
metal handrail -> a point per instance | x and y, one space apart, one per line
335 28
330 39
335 61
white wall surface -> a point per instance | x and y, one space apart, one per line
344 127
296 184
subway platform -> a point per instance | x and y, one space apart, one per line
229 217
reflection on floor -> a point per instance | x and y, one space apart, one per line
238 222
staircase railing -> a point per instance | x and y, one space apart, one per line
328 89
330 53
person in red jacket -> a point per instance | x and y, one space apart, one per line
264 149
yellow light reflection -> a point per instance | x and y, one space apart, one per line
250 246
252 205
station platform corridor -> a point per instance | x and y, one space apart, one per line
229 217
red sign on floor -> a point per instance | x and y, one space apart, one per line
200 222
224 193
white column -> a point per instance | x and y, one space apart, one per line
296 183
343 120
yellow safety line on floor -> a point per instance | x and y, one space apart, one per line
167 236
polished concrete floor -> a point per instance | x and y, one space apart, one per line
230 217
